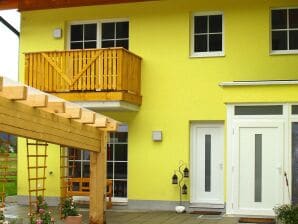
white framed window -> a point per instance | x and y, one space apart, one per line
207 38
98 34
117 163
284 31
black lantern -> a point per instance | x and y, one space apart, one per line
184 189
186 172
174 179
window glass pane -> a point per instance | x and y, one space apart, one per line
122 30
74 154
200 43
207 163
106 44
121 136
75 186
86 169
122 43
109 170
293 39
279 19
86 185
76 33
295 109
76 45
279 40
120 189
120 152
76 171
109 152
108 30
120 170
90 45
86 155
215 42
71 169
200 23
259 110
258 168
293 18
215 24
90 31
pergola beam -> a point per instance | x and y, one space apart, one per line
87 117
34 116
14 92
36 100
32 123
55 107
74 112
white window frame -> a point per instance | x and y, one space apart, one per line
98 22
192 39
288 51
111 142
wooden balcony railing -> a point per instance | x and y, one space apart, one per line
106 70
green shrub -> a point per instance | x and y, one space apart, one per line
286 214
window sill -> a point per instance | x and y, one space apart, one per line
207 55
283 52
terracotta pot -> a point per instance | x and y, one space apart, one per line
73 219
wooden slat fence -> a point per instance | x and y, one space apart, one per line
111 69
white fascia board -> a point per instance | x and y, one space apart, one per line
259 83
108 105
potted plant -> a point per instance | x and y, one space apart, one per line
286 214
70 212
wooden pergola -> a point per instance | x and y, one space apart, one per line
30 113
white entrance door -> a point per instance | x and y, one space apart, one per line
207 144
258 167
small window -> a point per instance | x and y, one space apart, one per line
284 30
259 110
207 35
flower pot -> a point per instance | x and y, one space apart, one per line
73 219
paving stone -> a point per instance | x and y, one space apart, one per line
126 217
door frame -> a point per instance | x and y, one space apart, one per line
231 147
193 125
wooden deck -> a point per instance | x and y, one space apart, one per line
88 75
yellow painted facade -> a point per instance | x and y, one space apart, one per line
176 88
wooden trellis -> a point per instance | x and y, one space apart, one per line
8 172
36 164
3 177
66 171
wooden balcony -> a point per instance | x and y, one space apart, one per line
87 76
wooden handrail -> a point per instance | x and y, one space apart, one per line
107 69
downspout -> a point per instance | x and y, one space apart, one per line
9 26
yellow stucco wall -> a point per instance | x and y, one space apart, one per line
52 181
176 89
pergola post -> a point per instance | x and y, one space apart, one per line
98 183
